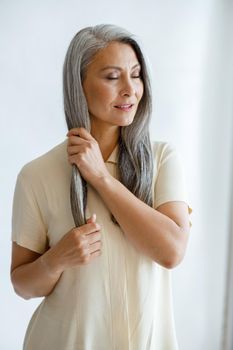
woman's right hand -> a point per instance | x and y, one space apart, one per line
79 246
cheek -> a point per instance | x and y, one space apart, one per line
98 96
140 91
104 96
92 97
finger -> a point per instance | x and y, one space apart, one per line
93 237
71 150
92 218
73 159
94 247
95 254
75 140
73 131
82 132
90 228
86 229
77 157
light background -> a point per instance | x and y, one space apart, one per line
189 47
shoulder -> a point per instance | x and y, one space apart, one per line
49 163
163 150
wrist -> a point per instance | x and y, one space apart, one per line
50 264
103 182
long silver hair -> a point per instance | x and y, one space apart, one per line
135 160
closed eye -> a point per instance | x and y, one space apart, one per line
134 77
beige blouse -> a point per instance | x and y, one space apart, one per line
122 299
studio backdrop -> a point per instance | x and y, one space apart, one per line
189 47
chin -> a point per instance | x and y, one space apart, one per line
127 124
126 121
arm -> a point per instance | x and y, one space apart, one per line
30 274
35 275
161 234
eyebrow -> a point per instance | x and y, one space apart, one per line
119 68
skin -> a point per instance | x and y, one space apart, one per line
165 230
106 88
35 275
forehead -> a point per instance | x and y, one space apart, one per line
115 53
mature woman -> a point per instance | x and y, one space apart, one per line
99 220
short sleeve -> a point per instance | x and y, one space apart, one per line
170 182
28 228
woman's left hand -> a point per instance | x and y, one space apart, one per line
83 150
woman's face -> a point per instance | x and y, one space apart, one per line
113 86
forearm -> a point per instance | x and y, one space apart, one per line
150 231
35 279
39 275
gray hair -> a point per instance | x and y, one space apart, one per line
135 161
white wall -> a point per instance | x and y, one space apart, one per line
188 45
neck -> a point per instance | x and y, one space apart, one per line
107 137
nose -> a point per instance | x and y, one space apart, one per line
128 88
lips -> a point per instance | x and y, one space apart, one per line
124 106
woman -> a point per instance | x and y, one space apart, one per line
100 250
